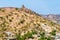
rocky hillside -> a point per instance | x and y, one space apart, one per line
53 17
23 20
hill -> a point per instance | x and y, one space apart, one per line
53 17
23 20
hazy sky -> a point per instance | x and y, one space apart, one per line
40 6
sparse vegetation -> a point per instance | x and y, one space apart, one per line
21 21
29 22
27 35
16 8
10 20
2 10
19 37
53 32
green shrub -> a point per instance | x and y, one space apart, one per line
19 37
53 32
28 35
